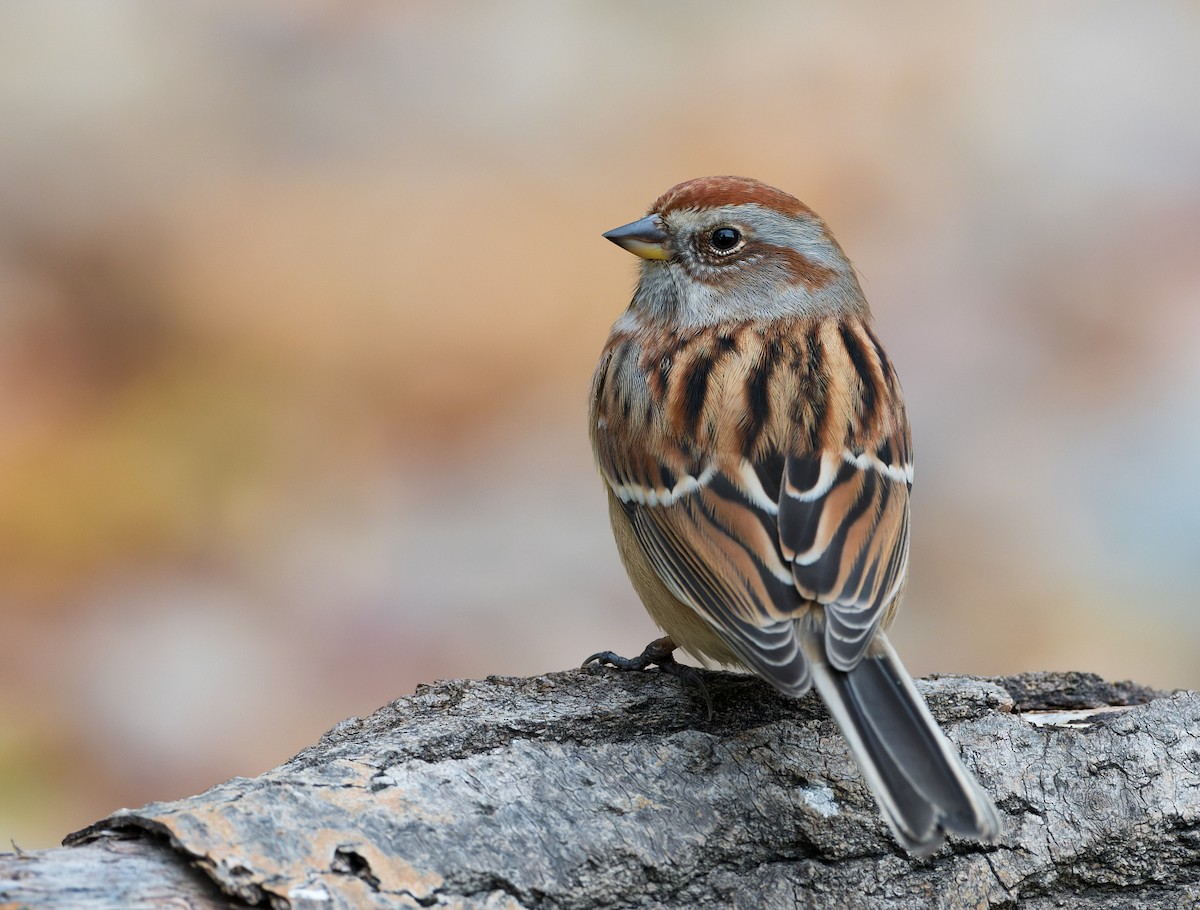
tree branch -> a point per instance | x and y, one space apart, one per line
599 789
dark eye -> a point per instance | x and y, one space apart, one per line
725 239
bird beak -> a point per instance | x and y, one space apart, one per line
645 238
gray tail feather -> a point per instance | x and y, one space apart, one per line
914 772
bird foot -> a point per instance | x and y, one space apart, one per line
659 653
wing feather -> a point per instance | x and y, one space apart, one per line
757 506
698 552
850 546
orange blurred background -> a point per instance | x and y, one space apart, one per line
299 302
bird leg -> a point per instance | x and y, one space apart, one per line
659 653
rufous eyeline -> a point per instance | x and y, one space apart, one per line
751 433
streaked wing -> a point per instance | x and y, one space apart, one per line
757 485
843 506
843 521
716 547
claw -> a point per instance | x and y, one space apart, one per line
658 653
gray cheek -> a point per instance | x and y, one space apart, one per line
668 293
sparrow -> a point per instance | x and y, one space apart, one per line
752 436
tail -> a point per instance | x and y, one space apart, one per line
912 769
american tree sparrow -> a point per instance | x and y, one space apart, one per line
752 435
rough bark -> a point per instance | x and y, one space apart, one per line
606 790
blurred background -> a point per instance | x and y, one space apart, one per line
299 302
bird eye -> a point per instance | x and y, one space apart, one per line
725 239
